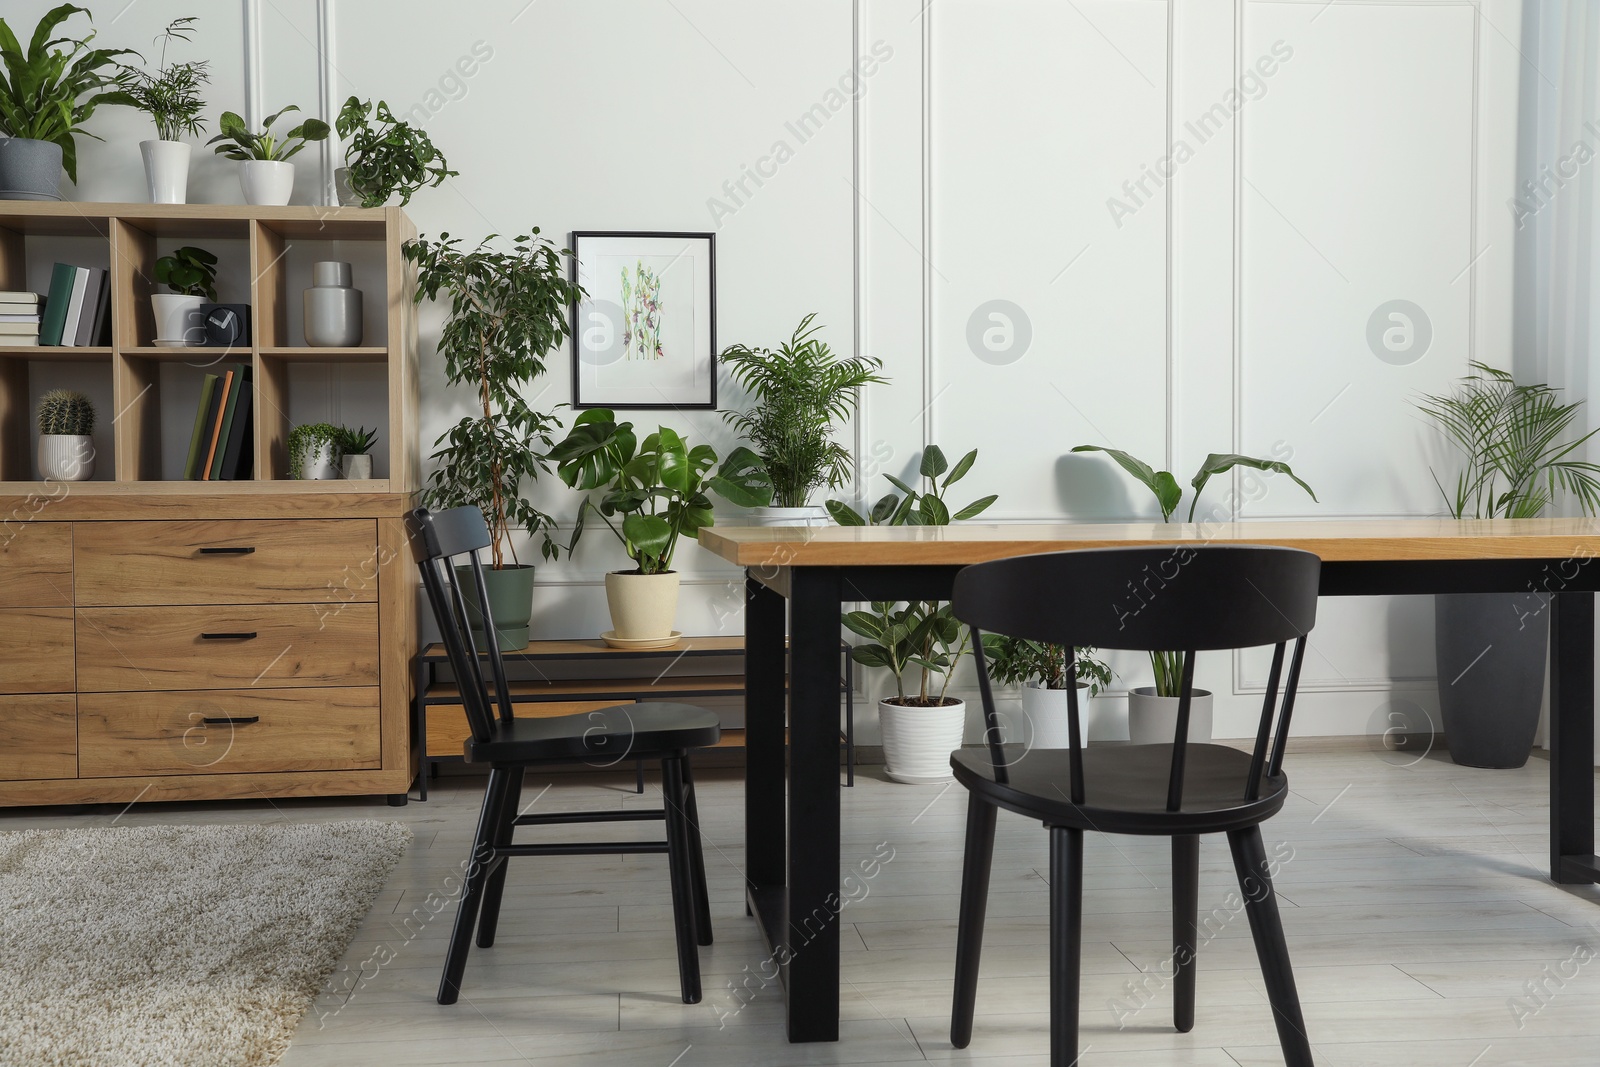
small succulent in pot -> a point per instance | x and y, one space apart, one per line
66 426
355 451
384 155
314 451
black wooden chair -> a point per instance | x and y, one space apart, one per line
645 731
1147 599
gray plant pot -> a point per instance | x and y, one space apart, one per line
510 602
1491 650
29 170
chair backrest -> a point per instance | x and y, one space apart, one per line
1184 598
439 540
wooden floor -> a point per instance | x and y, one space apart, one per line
1423 931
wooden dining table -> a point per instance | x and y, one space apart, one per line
792 793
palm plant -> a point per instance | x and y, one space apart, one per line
171 95
800 391
1511 436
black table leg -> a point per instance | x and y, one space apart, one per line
764 706
1572 859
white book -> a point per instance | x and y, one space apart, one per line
69 327
19 318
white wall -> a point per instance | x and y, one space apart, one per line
1224 309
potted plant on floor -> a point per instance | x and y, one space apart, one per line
1491 648
265 173
171 97
314 451
919 641
355 452
47 93
651 493
508 307
191 274
1153 710
384 156
1040 670
66 442
800 393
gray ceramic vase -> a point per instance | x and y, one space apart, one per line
1491 650
29 170
332 307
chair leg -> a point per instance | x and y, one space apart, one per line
974 906
697 857
480 863
1185 923
496 886
1261 904
1066 942
683 904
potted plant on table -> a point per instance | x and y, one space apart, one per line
1491 648
265 173
1153 710
47 93
191 275
66 442
921 641
1040 670
314 451
507 309
651 493
384 156
355 452
171 97
800 392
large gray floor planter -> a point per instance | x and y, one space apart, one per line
1492 649
29 170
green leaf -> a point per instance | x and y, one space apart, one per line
933 511
933 462
864 623
844 514
742 480
1162 484
871 656
976 508
963 465
650 535
1218 463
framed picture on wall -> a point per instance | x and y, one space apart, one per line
645 336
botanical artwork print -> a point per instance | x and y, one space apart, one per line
641 313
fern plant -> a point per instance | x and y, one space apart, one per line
66 412
800 391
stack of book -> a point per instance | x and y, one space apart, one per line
221 448
77 310
19 319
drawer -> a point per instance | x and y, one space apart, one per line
329 561
227 731
36 650
448 730
210 647
38 737
36 564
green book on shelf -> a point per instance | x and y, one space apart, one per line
229 407
208 390
62 279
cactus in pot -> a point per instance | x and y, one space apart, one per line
66 443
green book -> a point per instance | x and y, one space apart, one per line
230 406
191 466
62 278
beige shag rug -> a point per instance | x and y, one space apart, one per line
176 945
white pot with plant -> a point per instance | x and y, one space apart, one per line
355 452
651 493
1153 710
66 436
800 393
265 173
921 642
191 274
314 451
171 97
1040 670
384 156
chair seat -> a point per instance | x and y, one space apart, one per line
625 731
1125 788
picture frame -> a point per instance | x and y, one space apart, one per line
645 334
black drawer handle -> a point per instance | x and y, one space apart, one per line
242 635
239 551
240 720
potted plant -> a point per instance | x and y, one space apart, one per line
800 392
922 724
1040 670
191 274
1491 648
1153 710
66 444
508 308
314 451
47 93
171 97
355 452
651 493
384 157
265 173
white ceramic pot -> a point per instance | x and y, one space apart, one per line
1045 712
166 170
643 606
917 742
178 319
266 182
319 464
1153 720
357 468
813 515
66 457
